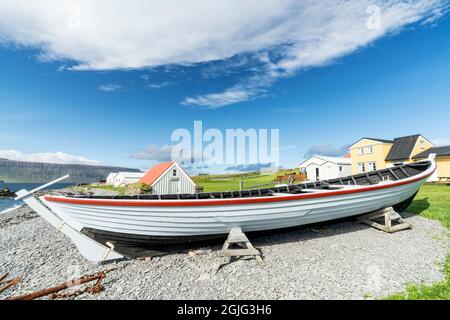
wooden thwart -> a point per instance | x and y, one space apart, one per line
237 238
392 220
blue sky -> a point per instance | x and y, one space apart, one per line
392 84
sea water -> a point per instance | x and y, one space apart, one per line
9 204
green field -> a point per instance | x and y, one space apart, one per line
433 202
224 182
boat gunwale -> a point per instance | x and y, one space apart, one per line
236 201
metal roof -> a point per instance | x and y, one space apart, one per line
439 151
402 148
154 173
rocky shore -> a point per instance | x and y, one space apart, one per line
345 260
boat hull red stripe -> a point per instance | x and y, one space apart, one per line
221 202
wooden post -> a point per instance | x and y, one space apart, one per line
237 237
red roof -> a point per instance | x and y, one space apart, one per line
154 173
347 155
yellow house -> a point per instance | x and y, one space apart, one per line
369 154
442 161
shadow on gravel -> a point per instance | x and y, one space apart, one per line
307 232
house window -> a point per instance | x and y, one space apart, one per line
422 144
361 167
369 149
372 166
174 172
360 151
341 169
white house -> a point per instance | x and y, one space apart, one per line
169 178
324 168
126 178
110 178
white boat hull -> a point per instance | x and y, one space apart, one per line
107 229
186 221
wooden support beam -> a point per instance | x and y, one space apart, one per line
392 220
238 238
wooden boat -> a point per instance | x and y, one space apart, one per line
106 228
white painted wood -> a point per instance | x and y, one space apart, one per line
214 219
126 178
167 183
328 167
88 248
220 219
24 193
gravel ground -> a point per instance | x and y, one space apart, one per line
345 260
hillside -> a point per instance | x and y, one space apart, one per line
34 172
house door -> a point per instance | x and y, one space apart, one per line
317 174
173 186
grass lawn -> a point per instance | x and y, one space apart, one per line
433 202
228 183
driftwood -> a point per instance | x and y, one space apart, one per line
3 277
71 283
9 283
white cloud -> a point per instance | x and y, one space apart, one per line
166 153
46 157
109 87
153 152
327 150
217 100
119 34
160 85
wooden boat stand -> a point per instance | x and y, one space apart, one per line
236 238
393 222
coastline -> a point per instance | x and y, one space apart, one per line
331 262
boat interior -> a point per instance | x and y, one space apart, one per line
363 179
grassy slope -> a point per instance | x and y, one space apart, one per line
433 202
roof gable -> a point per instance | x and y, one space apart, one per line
154 173
320 160
402 148
371 139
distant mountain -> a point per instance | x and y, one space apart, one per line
34 172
